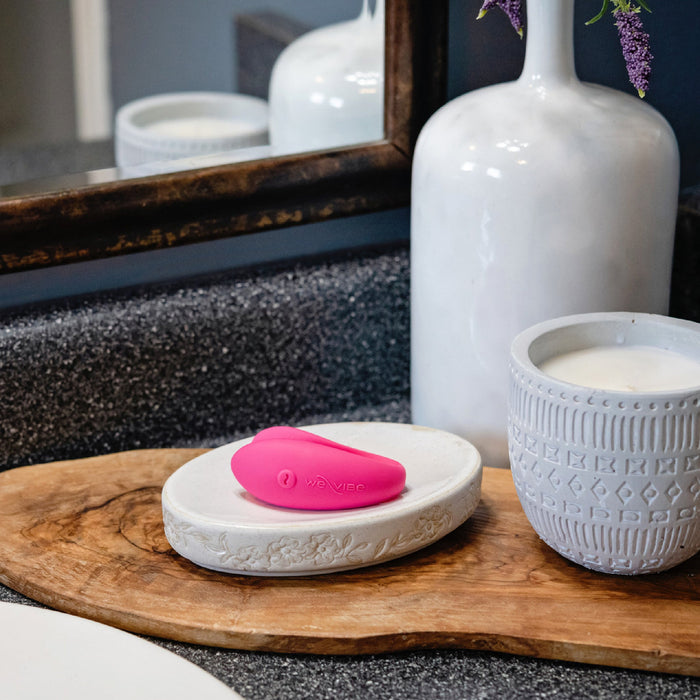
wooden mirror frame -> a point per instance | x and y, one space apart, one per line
129 216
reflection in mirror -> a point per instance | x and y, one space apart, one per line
97 219
69 68
327 87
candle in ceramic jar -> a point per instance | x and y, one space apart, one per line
637 368
200 127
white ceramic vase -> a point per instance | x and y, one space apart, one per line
327 87
534 199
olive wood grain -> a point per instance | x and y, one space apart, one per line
86 537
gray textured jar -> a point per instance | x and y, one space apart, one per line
609 479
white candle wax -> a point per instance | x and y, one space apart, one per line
638 368
200 127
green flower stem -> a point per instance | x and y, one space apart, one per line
622 6
603 10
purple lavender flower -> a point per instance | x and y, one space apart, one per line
635 48
512 8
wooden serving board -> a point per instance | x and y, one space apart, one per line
86 537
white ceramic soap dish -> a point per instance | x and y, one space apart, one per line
212 521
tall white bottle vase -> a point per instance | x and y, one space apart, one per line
327 87
530 200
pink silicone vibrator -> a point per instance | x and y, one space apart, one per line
296 469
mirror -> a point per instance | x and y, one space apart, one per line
192 84
92 215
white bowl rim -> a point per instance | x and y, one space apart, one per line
257 108
520 351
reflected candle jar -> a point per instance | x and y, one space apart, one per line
604 438
183 125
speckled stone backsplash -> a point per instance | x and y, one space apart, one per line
208 360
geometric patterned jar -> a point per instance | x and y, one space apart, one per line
609 479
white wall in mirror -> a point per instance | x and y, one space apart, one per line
36 73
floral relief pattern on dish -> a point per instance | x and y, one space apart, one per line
320 550
432 524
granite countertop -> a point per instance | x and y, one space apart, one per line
209 360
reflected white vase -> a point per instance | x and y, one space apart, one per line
533 199
327 86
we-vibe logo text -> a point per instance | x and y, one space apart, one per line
321 482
